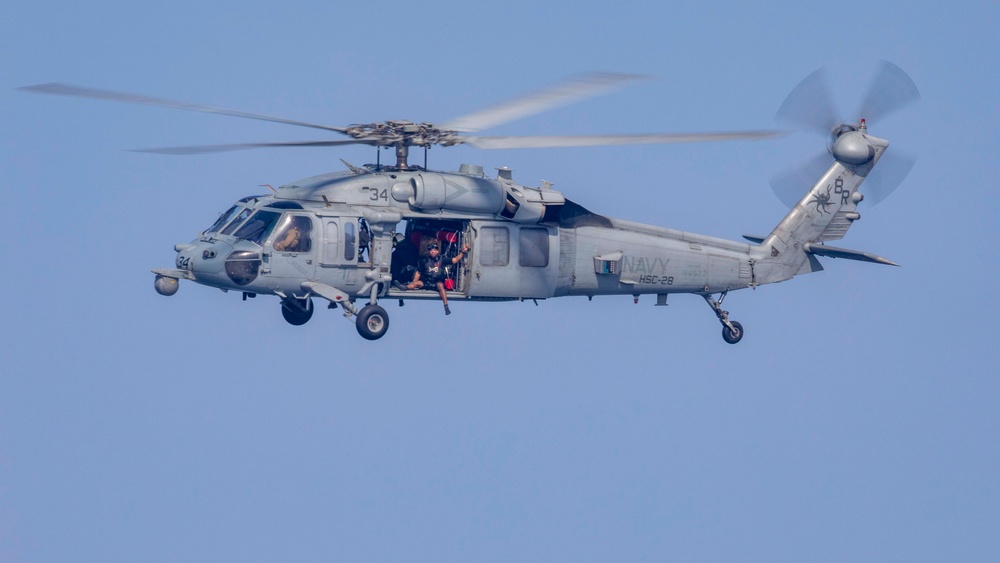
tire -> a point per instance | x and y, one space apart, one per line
373 322
732 336
297 313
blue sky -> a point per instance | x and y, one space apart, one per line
855 421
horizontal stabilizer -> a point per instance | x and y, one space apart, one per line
834 252
756 239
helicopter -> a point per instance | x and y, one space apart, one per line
354 238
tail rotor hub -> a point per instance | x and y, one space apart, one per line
849 145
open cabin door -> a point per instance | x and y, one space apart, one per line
412 248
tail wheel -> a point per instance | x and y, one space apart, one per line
372 322
298 311
734 334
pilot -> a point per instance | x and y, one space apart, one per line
432 271
292 239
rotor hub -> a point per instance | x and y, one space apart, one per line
402 133
852 147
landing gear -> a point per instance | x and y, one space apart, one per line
372 322
732 331
297 311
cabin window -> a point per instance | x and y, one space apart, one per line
534 247
350 240
364 241
331 242
494 246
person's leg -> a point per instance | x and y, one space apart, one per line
444 297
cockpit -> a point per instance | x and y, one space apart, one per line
233 217
244 222
257 226
280 226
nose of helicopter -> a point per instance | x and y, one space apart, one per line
219 263
202 257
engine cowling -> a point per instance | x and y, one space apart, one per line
451 193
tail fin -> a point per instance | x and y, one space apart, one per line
825 213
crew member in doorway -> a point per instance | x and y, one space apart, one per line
404 261
432 271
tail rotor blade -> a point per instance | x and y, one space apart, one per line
793 184
809 105
891 90
888 174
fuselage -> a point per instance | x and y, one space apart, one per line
527 243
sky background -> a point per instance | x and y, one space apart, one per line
857 420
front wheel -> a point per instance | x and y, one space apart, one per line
297 311
732 335
372 322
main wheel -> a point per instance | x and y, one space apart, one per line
732 335
297 312
372 322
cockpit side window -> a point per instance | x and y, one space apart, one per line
237 221
294 234
258 226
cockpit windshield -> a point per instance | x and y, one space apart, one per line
258 226
223 219
235 223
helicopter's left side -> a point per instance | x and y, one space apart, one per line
333 237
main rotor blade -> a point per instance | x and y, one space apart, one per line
608 140
61 89
809 104
571 90
891 90
206 149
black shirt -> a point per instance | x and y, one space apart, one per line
432 269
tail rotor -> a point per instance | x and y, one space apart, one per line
810 107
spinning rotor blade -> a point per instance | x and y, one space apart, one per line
81 92
207 149
566 92
608 140
792 185
891 90
888 174
403 133
809 104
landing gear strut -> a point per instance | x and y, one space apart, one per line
732 331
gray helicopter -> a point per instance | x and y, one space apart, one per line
358 235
